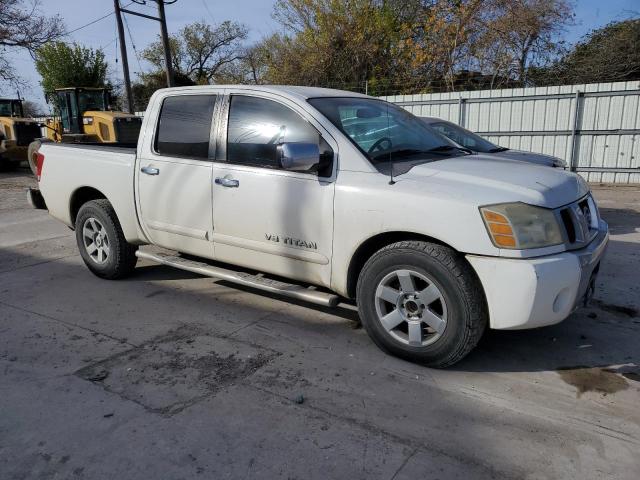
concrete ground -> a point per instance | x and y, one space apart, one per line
168 375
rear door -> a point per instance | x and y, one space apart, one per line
175 175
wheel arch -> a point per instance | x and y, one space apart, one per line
372 244
81 196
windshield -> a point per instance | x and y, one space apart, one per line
384 132
91 100
10 108
465 138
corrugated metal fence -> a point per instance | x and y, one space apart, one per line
595 128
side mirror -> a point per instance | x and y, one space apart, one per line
299 157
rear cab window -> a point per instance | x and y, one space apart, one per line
184 126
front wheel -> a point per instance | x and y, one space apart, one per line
422 302
101 241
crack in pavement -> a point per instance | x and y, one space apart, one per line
2 272
69 324
404 463
413 443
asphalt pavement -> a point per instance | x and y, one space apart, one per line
168 375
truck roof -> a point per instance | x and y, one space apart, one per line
287 90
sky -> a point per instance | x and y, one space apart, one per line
255 14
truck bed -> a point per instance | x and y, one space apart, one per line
103 170
103 147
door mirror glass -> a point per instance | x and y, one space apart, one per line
299 157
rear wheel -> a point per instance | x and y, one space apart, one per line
422 302
101 241
7 165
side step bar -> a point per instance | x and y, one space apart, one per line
242 278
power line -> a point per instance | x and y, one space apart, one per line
108 44
209 11
135 50
92 22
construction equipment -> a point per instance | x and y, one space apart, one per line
16 132
85 117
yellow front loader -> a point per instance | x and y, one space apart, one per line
16 133
84 117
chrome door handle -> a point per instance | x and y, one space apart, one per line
227 182
150 170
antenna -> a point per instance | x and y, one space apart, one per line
391 180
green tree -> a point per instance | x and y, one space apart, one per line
341 43
403 46
62 65
148 83
611 53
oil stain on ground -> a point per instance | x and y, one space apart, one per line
593 379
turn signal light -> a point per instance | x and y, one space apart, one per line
500 229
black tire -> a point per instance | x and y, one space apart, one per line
121 257
460 289
8 165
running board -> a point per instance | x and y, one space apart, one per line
242 278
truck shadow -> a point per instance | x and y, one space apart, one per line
595 336
599 336
621 220
591 337
147 273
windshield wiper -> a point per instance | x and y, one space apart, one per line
446 149
498 149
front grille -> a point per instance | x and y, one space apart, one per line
580 221
128 129
570 229
26 133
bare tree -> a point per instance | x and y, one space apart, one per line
23 26
201 51
249 68
526 33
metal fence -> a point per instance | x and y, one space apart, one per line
595 128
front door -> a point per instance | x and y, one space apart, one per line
175 177
264 217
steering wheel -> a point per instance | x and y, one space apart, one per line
378 145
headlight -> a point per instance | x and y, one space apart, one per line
521 226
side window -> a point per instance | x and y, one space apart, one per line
257 126
185 126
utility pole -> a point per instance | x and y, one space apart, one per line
163 32
165 43
123 54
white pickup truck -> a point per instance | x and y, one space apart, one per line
332 195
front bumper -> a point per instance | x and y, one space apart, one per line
530 293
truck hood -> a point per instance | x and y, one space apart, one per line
531 157
485 180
